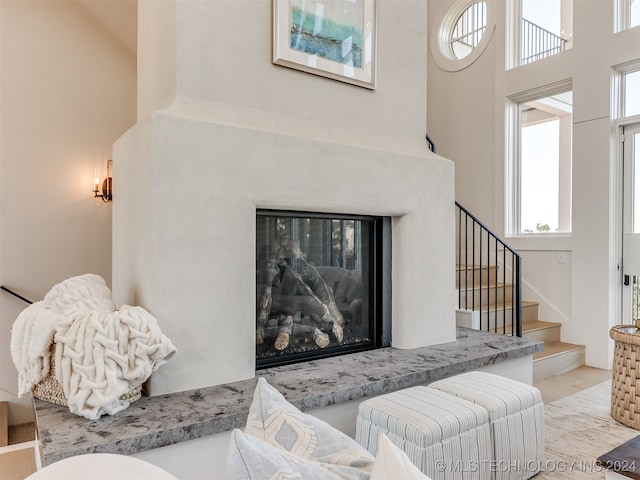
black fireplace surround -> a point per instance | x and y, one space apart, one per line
322 285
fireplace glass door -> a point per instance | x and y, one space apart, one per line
316 285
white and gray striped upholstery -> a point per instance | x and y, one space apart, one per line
516 414
446 437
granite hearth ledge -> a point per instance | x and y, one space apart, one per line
153 422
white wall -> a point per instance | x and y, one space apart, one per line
466 118
460 108
68 90
222 56
157 59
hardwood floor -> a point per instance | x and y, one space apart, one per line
558 386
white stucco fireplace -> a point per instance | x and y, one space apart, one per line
223 133
184 233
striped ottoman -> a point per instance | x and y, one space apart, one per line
516 415
444 436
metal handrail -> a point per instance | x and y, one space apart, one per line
430 143
538 43
11 292
479 249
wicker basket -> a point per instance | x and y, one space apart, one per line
50 390
625 387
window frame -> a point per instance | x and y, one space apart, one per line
440 37
618 87
513 159
474 8
622 16
513 34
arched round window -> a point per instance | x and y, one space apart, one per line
468 30
464 31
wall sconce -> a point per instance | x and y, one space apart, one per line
107 184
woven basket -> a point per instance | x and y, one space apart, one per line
625 387
50 390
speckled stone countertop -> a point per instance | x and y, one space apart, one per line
153 422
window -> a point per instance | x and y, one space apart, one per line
631 89
540 28
626 90
468 30
465 30
627 14
541 184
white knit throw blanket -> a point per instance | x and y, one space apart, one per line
34 329
101 356
101 353
31 337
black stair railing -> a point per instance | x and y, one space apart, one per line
11 292
430 143
538 43
489 278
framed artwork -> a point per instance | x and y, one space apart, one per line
332 38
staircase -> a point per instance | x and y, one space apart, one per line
18 447
491 309
489 289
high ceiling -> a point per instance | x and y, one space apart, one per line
119 17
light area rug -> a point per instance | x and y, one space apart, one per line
578 429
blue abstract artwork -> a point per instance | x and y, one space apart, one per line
332 29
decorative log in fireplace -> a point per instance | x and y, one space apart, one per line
315 313
308 308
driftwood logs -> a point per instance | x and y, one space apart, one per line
313 314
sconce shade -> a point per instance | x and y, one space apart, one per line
631 251
107 185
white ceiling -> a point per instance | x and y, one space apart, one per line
119 17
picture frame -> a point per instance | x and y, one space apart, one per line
331 38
